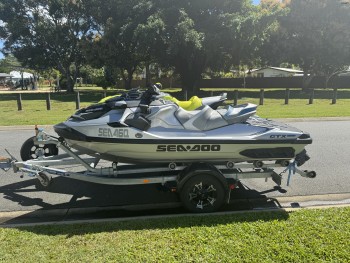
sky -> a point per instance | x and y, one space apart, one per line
1 42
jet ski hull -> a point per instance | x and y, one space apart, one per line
175 152
157 145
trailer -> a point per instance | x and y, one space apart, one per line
201 186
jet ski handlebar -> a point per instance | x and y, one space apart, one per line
148 96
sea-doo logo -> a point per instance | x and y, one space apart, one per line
109 133
138 135
188 148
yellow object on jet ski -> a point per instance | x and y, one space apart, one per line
107 98
191 104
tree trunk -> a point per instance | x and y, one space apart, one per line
148 75
306 81
190 85
127 75
191 72
70 83
127 82
190 80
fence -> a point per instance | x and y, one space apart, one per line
277 83
339 82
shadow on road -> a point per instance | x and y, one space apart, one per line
95 201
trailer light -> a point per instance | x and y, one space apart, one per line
146 181
232 186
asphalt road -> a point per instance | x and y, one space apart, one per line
329 153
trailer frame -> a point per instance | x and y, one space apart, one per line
207 179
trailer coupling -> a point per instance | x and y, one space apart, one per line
6 163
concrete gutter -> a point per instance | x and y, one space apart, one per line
111 220
24 127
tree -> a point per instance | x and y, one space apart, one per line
314 34
131 32
9 63
188 36
212 35
45 34
184 48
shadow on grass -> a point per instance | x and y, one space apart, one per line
189 221
107 202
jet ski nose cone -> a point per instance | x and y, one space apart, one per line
63 130
305 136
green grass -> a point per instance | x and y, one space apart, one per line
34 108
302 236
298 108
63 105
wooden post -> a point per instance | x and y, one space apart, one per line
104 94
77 101
235 97
211 93
19 101
286 100
48 101
312 96
335 96
261 97
185 94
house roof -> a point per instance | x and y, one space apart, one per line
289 70
5 75
17 75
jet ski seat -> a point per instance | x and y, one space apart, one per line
203 120
239 113
208 119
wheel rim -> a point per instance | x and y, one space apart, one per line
39 150
203 195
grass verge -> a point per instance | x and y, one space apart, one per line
302 236
63 105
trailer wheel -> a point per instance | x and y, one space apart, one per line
202 193
31 151
45 180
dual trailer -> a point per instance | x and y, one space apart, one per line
201 186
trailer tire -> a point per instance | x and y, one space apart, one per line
30 151
203 193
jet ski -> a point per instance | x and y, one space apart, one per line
153 129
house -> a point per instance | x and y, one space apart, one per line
274 72
18 75
4 78
345 73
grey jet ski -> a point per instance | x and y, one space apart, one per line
156 130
